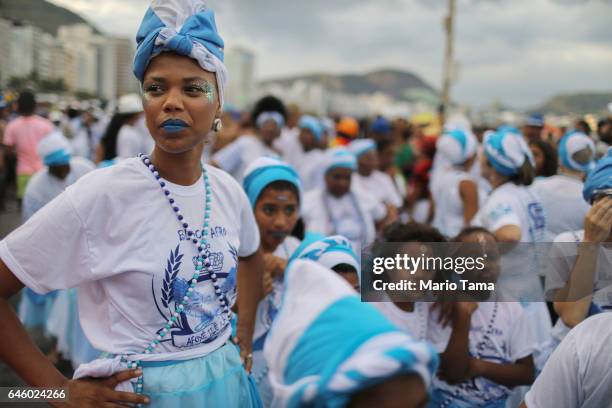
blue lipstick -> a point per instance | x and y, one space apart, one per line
174 125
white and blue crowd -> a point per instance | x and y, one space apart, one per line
127 268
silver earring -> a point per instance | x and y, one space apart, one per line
217 125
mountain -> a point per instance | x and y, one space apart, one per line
398 84
579 103
40 13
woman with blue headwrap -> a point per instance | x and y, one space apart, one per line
328 349
334 252
156 244
561 194
579 276
337 207
274 191
269 117
311 137
373 181
455 192
514 214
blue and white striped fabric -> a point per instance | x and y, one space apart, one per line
361 146
54 149
185 27
265 170
507 150
599 179
571 143
325 345
457 146
329 251
313 124
339 157
263 117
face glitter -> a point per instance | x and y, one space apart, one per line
206 88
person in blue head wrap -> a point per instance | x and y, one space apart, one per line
334 252
371 180
514 214
274 191
337 208
311 138
561 194
328 349
454 189
269 117
578 275
153 243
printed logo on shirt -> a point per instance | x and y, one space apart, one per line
202 319
536 215
215 232
500 211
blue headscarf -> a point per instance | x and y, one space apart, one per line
571 143
54 149
600 178
265 171
507 150
361 146
313 124
185 27
325 345
380 125
328 251
457 145
339 157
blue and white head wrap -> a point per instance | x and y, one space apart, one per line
312 124
457 146
361 146
54 149
571 143
507 150
264 171
339 158
263 117
325 345
600 178
328 251
185 27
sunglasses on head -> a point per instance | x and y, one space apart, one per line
597 194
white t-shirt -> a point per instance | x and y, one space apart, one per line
499 333
563 204
236 156
289 146
114 235
414 323
561 260
268 307
43 187
578 373
352 215
448 214
379 185
133 140
511 204
311 168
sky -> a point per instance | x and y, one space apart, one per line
519 52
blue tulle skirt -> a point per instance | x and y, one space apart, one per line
64 324
34 309
215 380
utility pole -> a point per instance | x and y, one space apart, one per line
447 71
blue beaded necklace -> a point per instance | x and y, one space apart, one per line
203 264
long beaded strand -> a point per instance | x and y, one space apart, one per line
203 263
